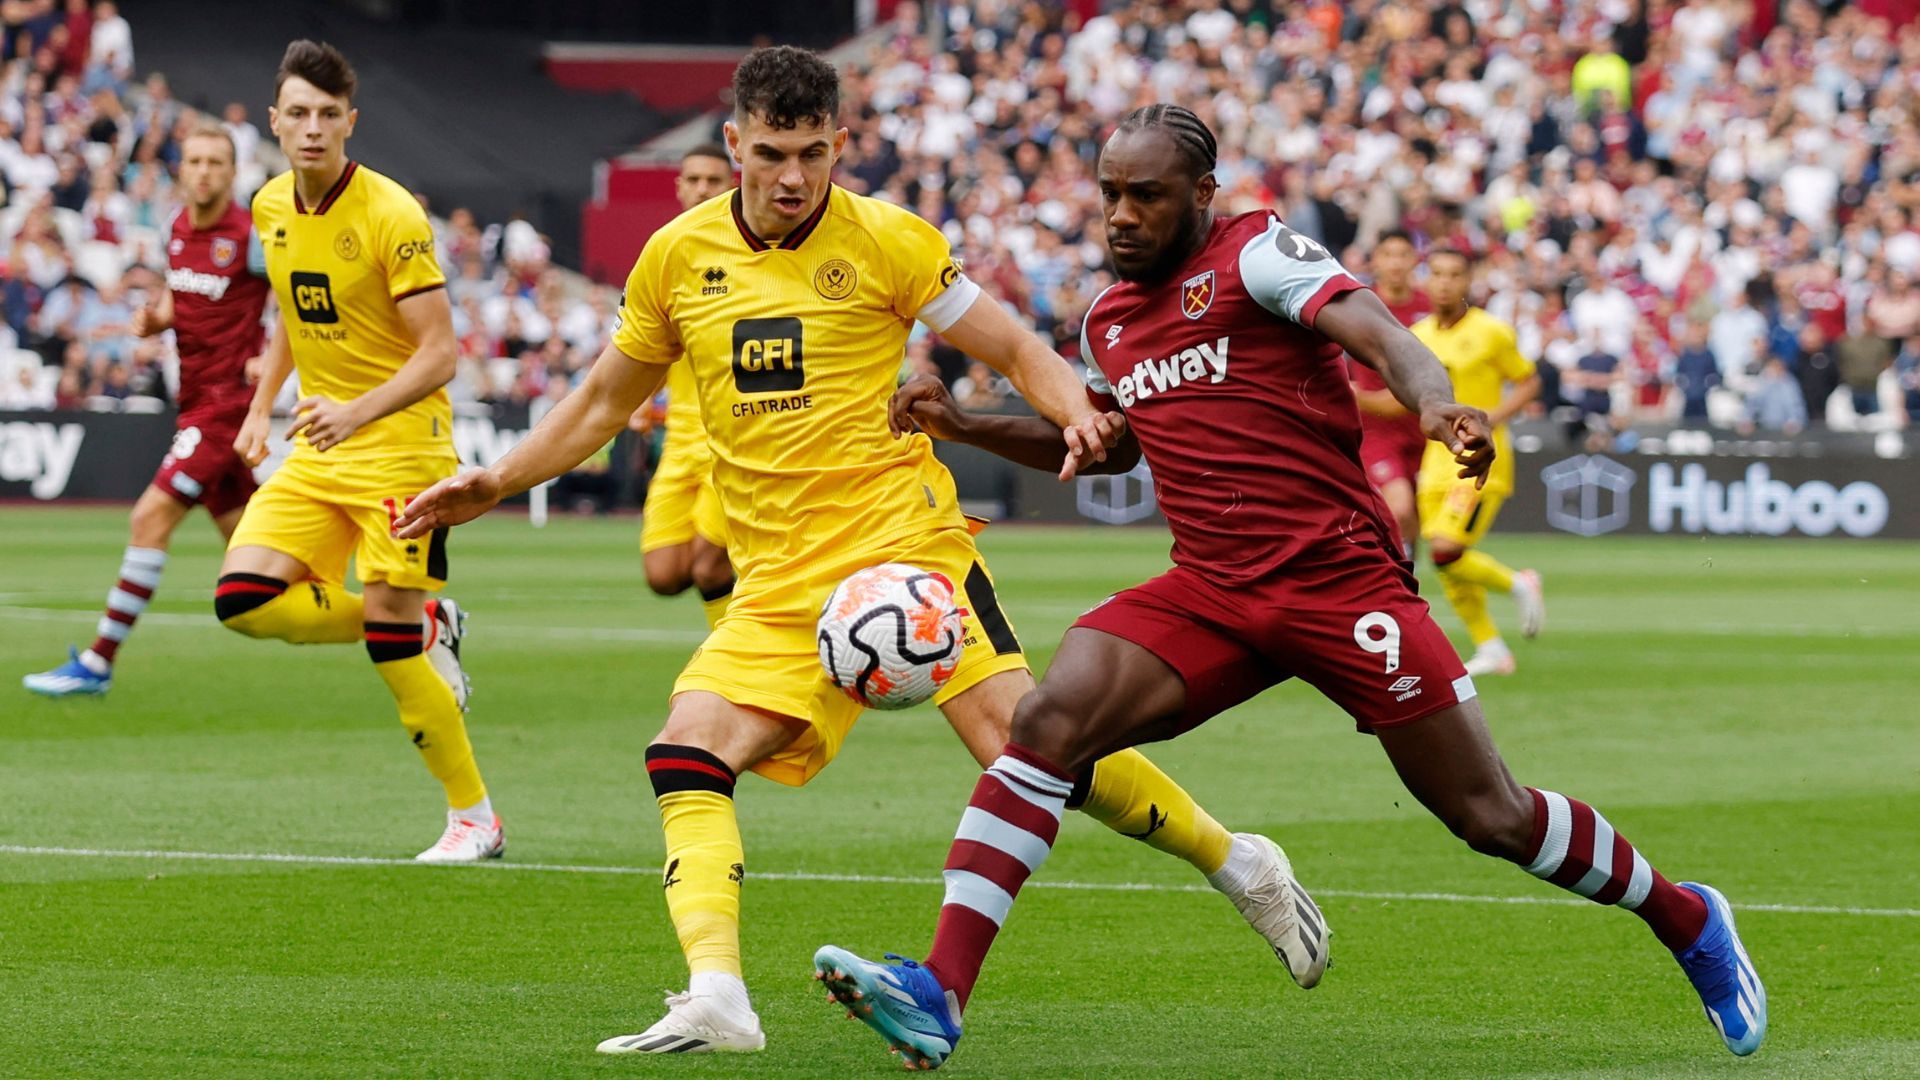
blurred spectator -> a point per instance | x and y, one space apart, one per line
1695 373
1776 404
1737 336
1860 360
110 62
980 388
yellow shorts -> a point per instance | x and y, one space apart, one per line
682 503
1457 512
322 511
765 653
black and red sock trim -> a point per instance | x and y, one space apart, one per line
687 768
389 641
237 594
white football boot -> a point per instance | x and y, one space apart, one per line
695 1024
1528 594
466 841
446 627
1259 879
1492 658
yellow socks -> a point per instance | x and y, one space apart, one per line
705 860
1130 795
428 709
1466 581
308 612
1479 568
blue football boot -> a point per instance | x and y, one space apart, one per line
69 679
919 1019
1730 989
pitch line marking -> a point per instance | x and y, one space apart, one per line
873 879
30 613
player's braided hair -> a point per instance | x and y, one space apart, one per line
786 87
1188 131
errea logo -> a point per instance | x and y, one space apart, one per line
1188 365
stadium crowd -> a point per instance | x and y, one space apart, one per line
1689 210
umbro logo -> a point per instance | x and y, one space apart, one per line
1404 687
1113 333
716 282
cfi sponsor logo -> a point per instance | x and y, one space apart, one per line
1193 364
211 286
225 250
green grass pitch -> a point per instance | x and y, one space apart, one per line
1743 709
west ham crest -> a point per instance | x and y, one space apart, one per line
225 249
1196 295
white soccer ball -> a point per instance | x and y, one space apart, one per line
891 635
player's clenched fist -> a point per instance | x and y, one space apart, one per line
923 403
251 443
1466 432
453 501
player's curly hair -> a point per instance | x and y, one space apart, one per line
1188 132
786 87
320 64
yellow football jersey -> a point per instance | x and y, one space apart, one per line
1482 358
795 349
686 432
340 269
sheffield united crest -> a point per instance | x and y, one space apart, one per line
1196 295
225 249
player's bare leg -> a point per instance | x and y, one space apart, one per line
1102 696
156 514
669 570
712 576
1448 762
1397 493
706 744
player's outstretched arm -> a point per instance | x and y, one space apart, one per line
1358 322
990 334
275 365
429 319
923 403
582 423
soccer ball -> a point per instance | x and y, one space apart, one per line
891 635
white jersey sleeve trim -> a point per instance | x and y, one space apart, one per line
1284 271
1096 379
946 309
